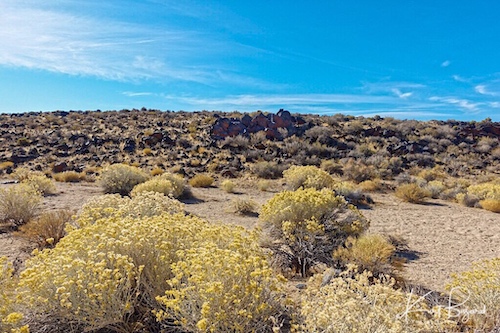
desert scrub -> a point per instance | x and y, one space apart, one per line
492 205
267 170
308 225
10 321
228 186
352 193
69 176
307 177
201 180
478 291
143 204
263 185
358 302
19 204
435 188
412 193
121 178
373 253
47 229
121 273
21 174
243 207
40 183
485 191
166 183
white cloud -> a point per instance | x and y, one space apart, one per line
483 90
458 78
400 94
462 103
446 63
137 94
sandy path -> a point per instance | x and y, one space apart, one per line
446 236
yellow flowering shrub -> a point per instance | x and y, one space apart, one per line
308 225
143 204
229 289
121 178
358 302
121 269
19 204
477 295
10 321
166 183
41 183
307 177
373 253
485 190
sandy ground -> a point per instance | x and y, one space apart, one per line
443 237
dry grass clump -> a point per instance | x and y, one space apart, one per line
373 253
19 204
263 185
358 172
308 225
243 207
307 177
358 302
47 229
412 193
121 178
157 171
468 200
370 185
435 188
201 180
331 167
69 176
492 205
166 183
352 193
21 174
478 291
228 186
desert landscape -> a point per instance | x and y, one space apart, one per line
430 189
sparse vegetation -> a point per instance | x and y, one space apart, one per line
69 176
47 229
19 204
166 183
201 180
307 177
121 178
412 193
228 186
243 207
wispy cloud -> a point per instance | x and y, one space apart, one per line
137 94
459 78
40 35
446 63
462 103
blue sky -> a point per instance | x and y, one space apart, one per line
415 59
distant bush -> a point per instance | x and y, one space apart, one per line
243 207
263 185
268 170
41 183
435 188
359 172
21 174
371 185
121 178
358 302
70 176
373 253
490 204
478 289
228 186
307 177
331 167
157 171
412 193
468 200
47 229
166 183
352 193
485 191
201 180
309 224
19 204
